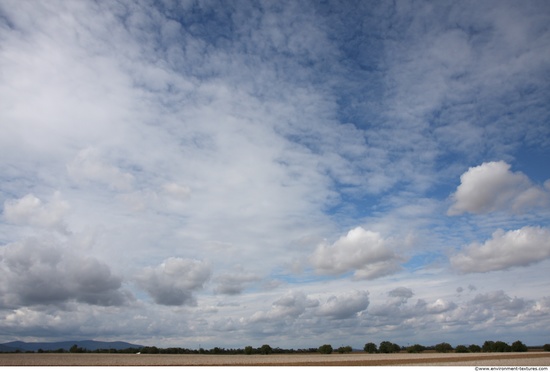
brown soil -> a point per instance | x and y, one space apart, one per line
353 359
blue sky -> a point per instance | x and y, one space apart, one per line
291 173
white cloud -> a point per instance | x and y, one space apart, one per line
506 249
437 307
88 166
172 283
364 252
492 187
177 191
30 210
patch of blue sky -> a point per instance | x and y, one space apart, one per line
425 260
307 276
352 204
534 162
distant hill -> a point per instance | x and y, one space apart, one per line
7 349
89 345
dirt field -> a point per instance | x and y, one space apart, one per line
353 359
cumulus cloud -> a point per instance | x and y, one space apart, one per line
292 304
172 283
42 272
364 252
344 305
394 307
494 309
398 310
506 249
436 307
500 301
492 187
30 210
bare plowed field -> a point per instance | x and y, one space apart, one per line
353 359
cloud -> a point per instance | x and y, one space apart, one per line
291 305
438 306
172 283
499 301
30 210
506 249
397 309
88 166
235 282
37 272
176 191
395 304
344 305
492 187
401 292
364 252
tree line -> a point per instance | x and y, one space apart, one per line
370 347
445 347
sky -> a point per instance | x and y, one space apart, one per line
292 173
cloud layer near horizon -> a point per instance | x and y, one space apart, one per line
180 173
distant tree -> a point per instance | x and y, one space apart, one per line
217 350
76 349
501 347
325 349
388 347
248 350
474 348
461 349
546 347
265 349
416 348
488 347
370 348
345 349
150 350
518 346
443 347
